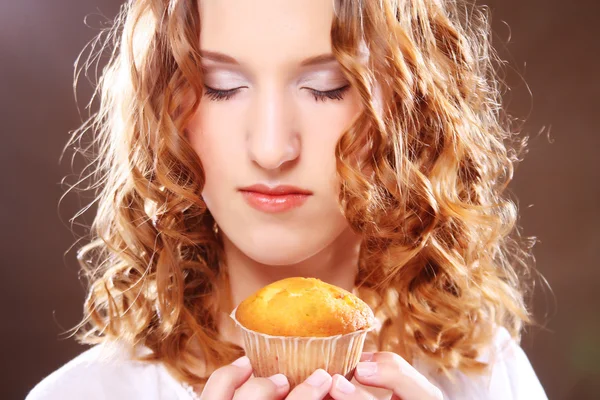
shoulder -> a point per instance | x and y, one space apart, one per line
108 371
510 377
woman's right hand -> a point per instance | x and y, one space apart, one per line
233 382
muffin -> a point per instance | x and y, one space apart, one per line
297 325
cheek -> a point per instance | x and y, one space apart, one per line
322 127
212 134
207 133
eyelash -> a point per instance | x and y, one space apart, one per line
335 94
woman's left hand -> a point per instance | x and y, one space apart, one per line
388 371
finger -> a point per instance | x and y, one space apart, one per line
342 389
390 371
380 356
315 387
272 388
222 383
368 356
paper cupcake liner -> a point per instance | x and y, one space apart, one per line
298 357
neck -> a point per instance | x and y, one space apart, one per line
337 264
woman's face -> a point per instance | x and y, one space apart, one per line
267 144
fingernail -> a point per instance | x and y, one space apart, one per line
366 368
344 386
242 362
367 356
279 380
318 378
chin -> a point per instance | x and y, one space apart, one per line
283 247
280 251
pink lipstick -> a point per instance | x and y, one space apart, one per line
275 199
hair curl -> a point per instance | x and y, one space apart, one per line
440 259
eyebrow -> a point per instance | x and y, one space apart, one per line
320 59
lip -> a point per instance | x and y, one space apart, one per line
275 199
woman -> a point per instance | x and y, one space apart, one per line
360 142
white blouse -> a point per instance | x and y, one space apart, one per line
108 371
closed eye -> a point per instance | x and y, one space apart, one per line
220 94
335 94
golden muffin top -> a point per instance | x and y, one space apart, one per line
306 307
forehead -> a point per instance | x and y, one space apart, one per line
266 32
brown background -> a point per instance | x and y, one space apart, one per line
554 47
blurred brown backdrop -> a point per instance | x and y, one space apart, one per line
554 47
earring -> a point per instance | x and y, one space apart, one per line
215 228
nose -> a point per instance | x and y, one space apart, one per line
272 139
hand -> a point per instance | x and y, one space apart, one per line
388 371
233 382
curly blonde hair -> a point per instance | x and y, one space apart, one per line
441 258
